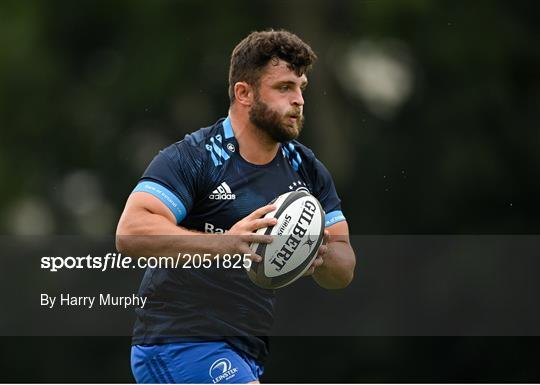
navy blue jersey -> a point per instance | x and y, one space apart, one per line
209 187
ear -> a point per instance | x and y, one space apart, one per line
243 93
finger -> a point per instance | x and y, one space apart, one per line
317 262
323 249
326 238
248 253
258 238
261 211
254 257
260 223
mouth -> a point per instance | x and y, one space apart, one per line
294 117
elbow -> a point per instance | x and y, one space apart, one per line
122 243
346 280
342 277
336 281
343 281
133 237
343 273
129 244
125 237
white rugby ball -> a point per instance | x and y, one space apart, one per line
297 235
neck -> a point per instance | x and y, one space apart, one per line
255 145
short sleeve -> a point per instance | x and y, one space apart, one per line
173 177
325 191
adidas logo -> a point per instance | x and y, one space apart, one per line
223 192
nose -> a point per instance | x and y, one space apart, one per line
298 98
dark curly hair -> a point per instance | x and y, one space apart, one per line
252 54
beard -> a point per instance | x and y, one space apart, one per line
274 124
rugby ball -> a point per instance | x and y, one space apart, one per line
298 233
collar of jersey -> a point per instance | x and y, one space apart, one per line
227 128
228 132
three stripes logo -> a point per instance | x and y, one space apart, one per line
217 153
223 192
292 155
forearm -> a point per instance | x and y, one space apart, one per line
337 271
151 234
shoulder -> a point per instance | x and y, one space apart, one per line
304 161
195 145
319 179
203 135
299 155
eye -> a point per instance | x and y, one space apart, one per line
284 88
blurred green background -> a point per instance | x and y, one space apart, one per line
425 112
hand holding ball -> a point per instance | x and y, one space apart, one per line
297 235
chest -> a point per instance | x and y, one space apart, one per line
239 189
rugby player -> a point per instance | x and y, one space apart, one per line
209 325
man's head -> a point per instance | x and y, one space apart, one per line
267 76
